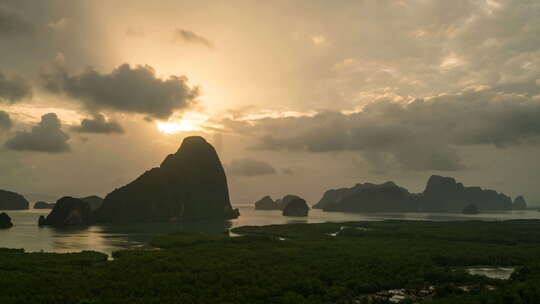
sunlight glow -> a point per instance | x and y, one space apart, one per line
188 123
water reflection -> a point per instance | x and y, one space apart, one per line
108 238
501 273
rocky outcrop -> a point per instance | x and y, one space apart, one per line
387 197
94 201
296 207
188 185
283 202
519 203
444 194
43 205
12 201
266 203
42 221
5 221
470 209
334 195
68 211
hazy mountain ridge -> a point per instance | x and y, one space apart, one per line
442 194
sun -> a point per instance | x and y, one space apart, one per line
188 123
175 127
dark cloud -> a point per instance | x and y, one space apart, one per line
13 24
250 167
191 37
46 136
5 121
13 89
125 89
99 124
421 135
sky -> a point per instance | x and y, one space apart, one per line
298 97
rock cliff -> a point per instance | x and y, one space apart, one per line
444 194
188 185
68 211
387 197
296 207
266 203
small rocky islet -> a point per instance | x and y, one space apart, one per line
290 205
68 211
5 221
266 203
296 207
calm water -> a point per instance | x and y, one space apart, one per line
108 238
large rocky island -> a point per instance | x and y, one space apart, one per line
374 198
12 201
188 185
442 194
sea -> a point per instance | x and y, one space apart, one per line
26 234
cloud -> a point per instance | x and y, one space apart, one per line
99 125
125 89
318 39
287 171
5 121
13 89
59 25
250 167
421 135
191 37
13 24
135 31
46 136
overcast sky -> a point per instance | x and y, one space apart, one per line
297 96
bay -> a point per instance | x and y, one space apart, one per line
108 238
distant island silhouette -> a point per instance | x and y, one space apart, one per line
267 203
442 194
12 201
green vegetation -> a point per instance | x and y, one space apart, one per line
310 266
